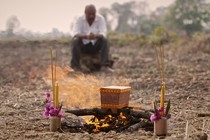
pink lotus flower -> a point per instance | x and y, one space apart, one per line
158 111
50 110
153 117
61 114
47 96
46 114
156 116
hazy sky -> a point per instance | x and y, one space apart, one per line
43 15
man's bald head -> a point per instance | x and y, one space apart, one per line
90 13
90 7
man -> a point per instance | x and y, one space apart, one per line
89 36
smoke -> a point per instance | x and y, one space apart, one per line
80 90
77 90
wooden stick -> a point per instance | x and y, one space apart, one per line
141 124
51 58
97 112
136 108
87 111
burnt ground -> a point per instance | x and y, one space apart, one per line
23 66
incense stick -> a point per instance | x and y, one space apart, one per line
55 77
51 58
161 62
56 60
163 67
158 61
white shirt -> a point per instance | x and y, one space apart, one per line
81 26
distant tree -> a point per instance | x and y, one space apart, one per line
141 10
161 11
133 17
11 25
56 33
147 24
189 15
124 16
128 15
106 12
155 19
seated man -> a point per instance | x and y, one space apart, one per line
89 37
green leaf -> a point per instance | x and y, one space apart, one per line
168 107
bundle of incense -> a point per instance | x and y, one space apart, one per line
160 61
54 82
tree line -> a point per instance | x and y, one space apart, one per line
181 17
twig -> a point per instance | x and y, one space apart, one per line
204 121
194 128
187 131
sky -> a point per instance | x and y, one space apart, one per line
43 15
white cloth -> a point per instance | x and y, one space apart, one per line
81 26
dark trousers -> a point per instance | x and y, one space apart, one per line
78 47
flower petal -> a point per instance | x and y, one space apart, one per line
47 95
153 117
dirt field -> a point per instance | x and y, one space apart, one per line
23 66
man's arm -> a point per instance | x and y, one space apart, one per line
102 30
76 31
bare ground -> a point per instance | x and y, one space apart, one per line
23 66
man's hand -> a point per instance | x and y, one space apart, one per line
91 36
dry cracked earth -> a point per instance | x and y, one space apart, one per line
23 68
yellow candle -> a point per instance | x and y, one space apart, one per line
162 98
56 94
